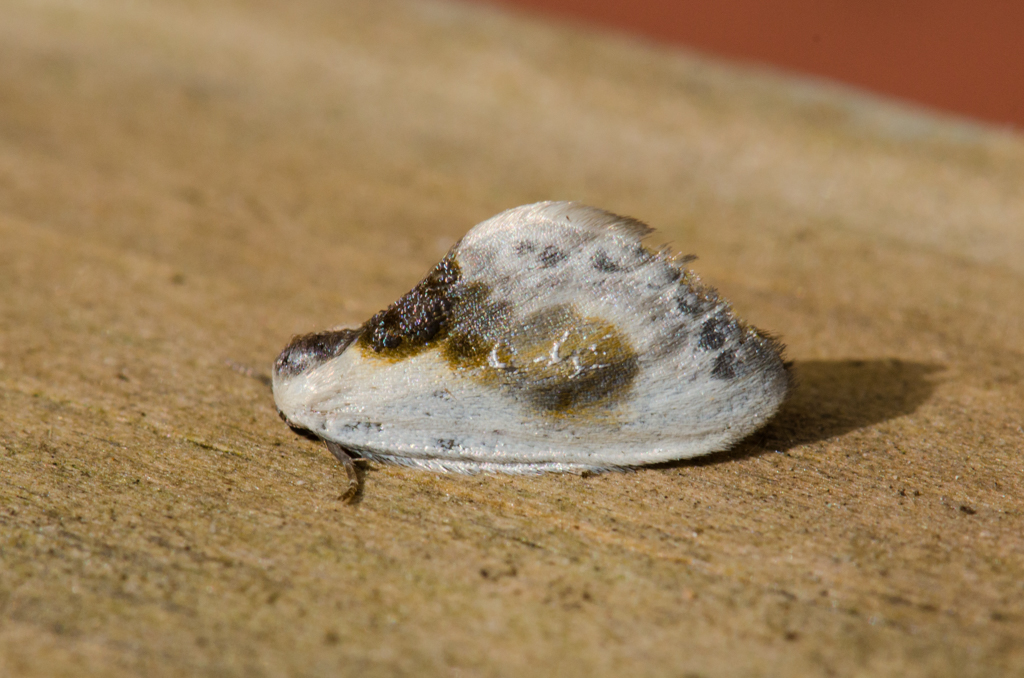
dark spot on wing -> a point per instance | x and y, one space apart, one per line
557 361
603 263
626 259
524 247
712 334
693 297
692 301
441 312
573 395
725 365
563 364
663 277
410 323
310 350
446 443
551 256
688 304
364 427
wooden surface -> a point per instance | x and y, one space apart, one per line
187 184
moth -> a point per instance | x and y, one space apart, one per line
549 338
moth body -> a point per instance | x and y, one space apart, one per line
548 339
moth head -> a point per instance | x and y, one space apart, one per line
309 351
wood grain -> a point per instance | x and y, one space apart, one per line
185 185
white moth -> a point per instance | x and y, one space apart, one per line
548 339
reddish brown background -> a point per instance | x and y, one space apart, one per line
959 56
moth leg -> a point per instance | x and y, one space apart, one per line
355 484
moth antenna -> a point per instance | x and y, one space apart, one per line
247 371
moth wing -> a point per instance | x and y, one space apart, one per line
548 339
420 412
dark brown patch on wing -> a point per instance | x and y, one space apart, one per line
725 366
551 256
407 326
603 263
564 363
694 298
524 247
712 333
556 360
441 312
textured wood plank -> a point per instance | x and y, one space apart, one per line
188 183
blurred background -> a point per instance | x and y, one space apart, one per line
965 58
